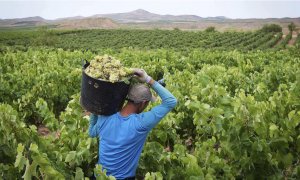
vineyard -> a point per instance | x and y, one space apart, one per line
237 117
99 40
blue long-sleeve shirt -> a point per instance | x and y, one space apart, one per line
122 138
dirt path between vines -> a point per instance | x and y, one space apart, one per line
278 42
293 40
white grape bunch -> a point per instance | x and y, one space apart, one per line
108 68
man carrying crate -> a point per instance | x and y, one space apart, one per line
123 134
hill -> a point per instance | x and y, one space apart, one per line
87 23
141 15
142 19
28 21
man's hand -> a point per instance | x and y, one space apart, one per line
142 75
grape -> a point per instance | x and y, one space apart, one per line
108 68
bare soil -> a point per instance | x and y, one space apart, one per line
282 38
43 131
293 40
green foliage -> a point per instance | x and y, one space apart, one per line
97 40
33 77
272 42
45 37
153 176
101 175
292 27
210 29
238 115
271 28
284 42
297 43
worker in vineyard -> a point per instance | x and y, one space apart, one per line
123 134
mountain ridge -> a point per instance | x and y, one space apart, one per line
141 18
141 15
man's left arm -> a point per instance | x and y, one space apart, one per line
152 117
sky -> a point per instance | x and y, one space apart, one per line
52 9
